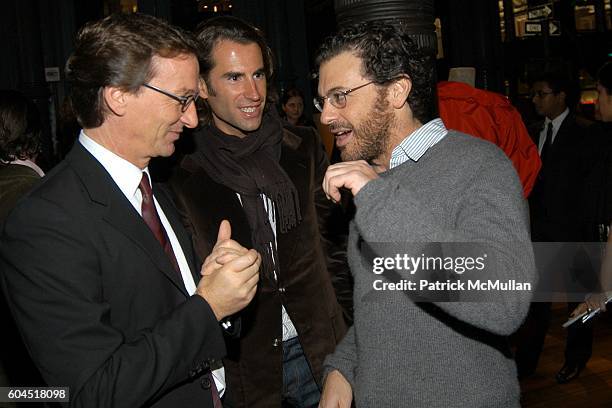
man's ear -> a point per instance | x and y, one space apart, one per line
115 99
399 90
563 96
203 89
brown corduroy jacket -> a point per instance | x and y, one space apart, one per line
313 276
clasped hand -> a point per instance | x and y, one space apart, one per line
229 275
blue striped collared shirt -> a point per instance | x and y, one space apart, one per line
418 142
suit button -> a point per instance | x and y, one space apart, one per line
276 342
205 383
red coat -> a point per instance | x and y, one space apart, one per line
490 116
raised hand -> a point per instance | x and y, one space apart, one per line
352 175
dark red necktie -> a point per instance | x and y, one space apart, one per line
151 218
215 394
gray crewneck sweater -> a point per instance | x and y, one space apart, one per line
444 354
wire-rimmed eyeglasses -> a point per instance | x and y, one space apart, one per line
540 93
184 101
336 98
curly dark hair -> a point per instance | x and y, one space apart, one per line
387 52
20 127
117 51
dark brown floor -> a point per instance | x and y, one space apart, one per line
593 389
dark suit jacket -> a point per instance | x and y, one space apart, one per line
306 273
555 199
99 305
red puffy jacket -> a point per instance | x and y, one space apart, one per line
490 116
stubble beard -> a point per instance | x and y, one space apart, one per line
371 138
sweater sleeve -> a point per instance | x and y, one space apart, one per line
489 212
343 358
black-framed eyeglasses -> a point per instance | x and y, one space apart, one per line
541 94
184 101
336 98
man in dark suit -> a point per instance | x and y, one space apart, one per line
554 206
265 177
555 213
98 271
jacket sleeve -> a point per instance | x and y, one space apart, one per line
53 279
333 225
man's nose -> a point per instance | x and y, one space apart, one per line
329 113
251 91
190 116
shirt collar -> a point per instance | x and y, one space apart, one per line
418 142
29 163
126 175
556 121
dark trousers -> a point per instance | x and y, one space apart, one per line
579 343
578 346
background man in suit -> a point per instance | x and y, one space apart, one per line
416 183
99 273
265 177
555 213
553 202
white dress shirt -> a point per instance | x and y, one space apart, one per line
556 122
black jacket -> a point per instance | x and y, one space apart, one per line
99 305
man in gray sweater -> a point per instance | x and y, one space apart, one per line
413 181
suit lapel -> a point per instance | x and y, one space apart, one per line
563 132
118 211
181 234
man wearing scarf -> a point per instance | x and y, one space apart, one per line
264 176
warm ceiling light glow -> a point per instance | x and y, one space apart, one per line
215 9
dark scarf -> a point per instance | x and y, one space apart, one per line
250 167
